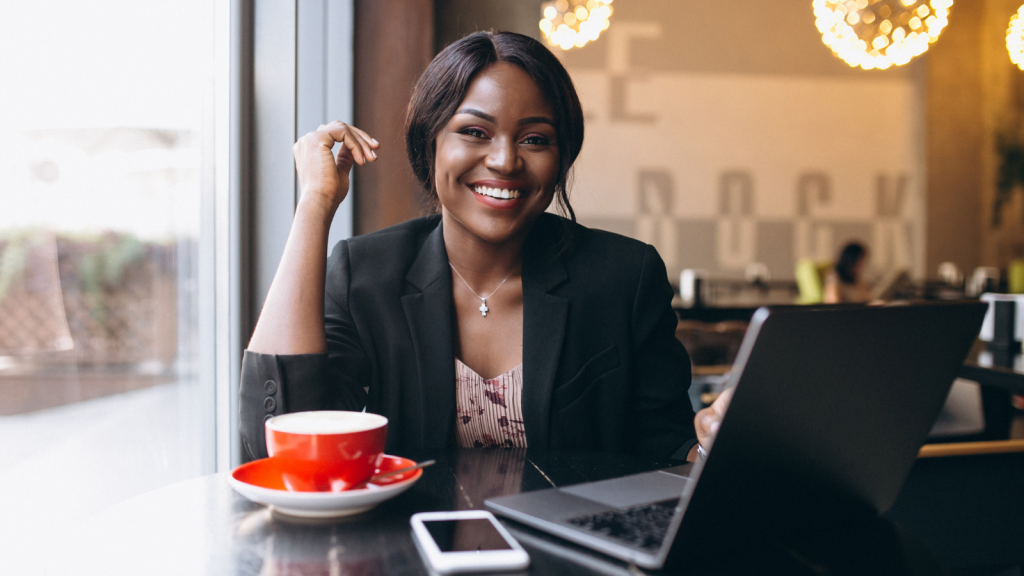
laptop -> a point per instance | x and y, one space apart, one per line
831 405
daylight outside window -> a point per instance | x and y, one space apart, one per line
106 157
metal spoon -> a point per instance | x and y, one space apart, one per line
383 475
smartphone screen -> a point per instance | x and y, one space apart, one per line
469 535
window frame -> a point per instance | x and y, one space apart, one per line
284 68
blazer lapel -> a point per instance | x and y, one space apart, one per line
544 318
429 314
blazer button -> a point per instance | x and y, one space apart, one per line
270 387
268 417
269 404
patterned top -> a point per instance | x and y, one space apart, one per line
489 413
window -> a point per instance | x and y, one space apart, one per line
107 137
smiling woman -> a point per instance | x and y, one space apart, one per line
496 171
492 323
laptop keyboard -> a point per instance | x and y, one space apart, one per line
643 526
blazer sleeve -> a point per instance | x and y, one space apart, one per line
273 384
663 414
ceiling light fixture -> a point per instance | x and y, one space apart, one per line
1015 38
572 23
880 33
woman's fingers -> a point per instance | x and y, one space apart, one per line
369 139
355 140
712 421
339 124
719 407
353 143
322 173
709 420
721 404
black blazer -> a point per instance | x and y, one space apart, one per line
602 369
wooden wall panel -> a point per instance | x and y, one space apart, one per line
394 42
954 141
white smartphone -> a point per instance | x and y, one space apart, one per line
466 541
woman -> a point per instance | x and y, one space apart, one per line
845 283
492 323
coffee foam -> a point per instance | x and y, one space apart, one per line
326 422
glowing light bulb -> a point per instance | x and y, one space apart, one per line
1015 38
879 34
574 23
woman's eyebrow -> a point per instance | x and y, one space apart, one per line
489 118
536 120
477 113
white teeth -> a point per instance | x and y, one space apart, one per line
504 193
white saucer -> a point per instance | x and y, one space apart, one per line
253 479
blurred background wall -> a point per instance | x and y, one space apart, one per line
726 133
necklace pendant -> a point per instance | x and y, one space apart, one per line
483 307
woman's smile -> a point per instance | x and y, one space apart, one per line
499 194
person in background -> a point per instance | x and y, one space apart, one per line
845 283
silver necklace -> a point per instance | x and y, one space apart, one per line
483 299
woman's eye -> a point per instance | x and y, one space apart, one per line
536 141
474 132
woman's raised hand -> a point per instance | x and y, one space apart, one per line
323 178
292 320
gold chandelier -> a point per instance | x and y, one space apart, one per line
1015 38
572 23
880 33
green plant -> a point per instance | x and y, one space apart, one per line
102 262
102 266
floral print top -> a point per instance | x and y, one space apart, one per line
489 413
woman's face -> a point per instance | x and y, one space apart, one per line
858 268
497 158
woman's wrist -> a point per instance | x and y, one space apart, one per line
316 207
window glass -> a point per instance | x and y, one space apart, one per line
106 128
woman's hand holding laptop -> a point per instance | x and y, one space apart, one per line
709 419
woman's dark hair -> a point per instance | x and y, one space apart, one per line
848 258
444 84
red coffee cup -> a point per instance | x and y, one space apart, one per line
326 450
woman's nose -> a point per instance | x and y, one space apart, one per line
503 157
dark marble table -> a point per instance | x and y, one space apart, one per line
203 527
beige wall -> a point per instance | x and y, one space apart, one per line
727 134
